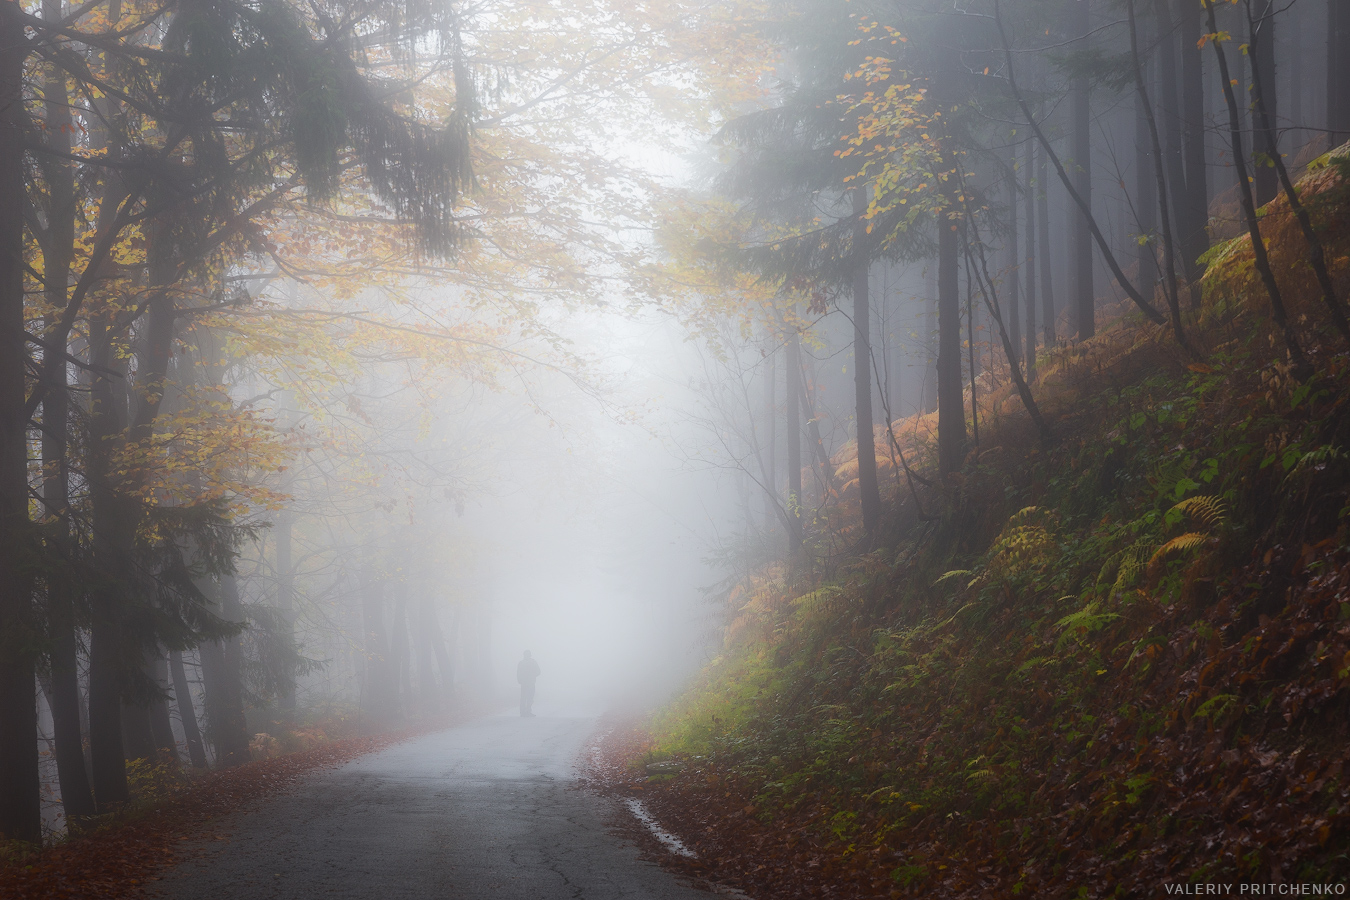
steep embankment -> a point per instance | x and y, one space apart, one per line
1105 666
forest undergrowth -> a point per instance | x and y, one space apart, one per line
119 855
1091 668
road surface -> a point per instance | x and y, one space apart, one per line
490 810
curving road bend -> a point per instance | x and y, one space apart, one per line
490 809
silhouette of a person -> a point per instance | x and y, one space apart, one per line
527 670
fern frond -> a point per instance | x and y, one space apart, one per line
1180 544
1314 459
1207 510
954 573
1085 621
1132 565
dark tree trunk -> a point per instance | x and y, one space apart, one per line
222 677
1155 141
1145 183
1192 215
973 360
868 489
111 550
930 342
1029 198
1047 284
1265 141
1297 68
20 804
1170 119
161 728
1316 252
1299 365
187 711
813 427
1080 129
951 404
146 732
793 431
1015 266
76 796
771 418
138 738
1338 71
286 600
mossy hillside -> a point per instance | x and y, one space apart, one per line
1119 659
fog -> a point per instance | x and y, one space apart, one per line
559 321
597 537
572 517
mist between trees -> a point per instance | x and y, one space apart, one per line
299 302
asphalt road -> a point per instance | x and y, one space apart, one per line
490 810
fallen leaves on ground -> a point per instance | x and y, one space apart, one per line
118 860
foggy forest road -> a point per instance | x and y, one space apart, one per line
490 809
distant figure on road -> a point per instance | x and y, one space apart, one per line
527 670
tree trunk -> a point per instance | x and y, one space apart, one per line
146 732
793 431
1015 266
1082 203
1080 128
1029 198
222 677
1170 121
1265 141
1338 72
973 374
76 796
20 805
1145 183
112 549
138 741
1316 252
1297 67
930 343
868 489
813 426
771 476
1192 215
1299 365
1168 244
161 728
951 404
187 711
286 600
1047 284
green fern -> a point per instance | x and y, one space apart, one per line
954 573
1315 459
1083 622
